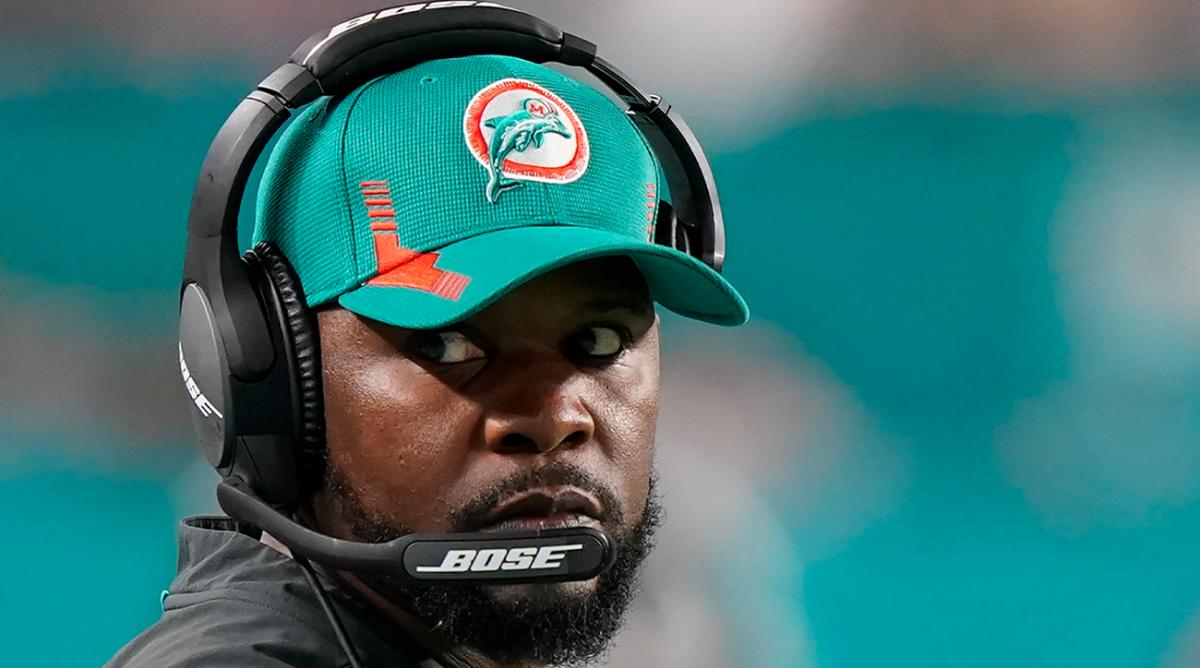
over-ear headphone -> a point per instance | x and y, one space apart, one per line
248 345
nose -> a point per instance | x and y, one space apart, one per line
538 407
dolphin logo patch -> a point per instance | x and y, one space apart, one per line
519 131
515 132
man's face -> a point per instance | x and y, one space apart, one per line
537 412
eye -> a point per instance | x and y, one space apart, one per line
448 347
600 341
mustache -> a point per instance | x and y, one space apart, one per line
372 527
472 513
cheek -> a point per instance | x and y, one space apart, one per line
386 443
625 424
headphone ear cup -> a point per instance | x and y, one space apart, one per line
301 334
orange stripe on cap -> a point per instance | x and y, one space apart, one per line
403 268
451 285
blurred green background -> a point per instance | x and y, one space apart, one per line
963 428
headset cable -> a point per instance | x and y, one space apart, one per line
330 613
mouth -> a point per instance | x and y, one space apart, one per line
545 508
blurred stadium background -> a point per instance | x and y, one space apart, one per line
962 430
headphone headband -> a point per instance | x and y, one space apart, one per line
354 52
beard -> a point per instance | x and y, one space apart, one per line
562 624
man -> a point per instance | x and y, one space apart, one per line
473 235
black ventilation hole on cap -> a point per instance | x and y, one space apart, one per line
428 79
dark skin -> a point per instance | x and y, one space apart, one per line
562 371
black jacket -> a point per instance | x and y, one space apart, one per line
237 602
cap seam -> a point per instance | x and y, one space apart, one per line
658 170
495 230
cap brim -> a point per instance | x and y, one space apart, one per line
469 275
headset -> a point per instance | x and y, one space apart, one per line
248 347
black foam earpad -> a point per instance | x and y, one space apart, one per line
300 331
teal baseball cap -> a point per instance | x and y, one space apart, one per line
423 196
